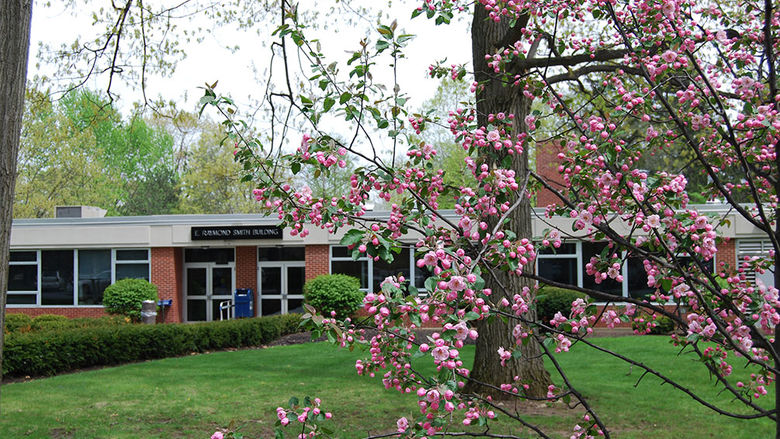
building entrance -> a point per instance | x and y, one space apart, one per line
281 274
209 278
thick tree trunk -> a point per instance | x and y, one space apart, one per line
495 98
15 17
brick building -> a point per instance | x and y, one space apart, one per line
62 265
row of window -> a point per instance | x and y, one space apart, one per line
71 277
371 273
79 277
567 265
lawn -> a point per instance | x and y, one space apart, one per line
189 397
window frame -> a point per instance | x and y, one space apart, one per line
37 291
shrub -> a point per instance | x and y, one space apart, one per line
126 296
551 300
51 352
334 292
49 321
655 325
17 322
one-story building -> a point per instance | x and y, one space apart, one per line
63 265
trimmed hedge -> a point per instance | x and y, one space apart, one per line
17 322
51 352
551 300
53 322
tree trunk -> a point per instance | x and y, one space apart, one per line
15 17
486 39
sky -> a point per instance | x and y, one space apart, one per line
243 74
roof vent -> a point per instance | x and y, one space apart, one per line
79 212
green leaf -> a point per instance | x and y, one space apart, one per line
295 167
329 101
471 315
344 97
352 237
293 402
385 31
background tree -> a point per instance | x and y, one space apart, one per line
450 157
211 178
15 19
78 150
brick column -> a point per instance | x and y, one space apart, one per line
317 260
246 270
547 167
168 275
727 254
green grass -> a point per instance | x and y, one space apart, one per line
190 397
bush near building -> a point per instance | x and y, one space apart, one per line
334 292
126 296
551 300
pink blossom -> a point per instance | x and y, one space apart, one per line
440 353
402 424
653 221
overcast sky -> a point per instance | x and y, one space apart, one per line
209 61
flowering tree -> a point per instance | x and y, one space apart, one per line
605 83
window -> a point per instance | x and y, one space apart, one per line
371 273
23 278
70 277
399 267
94 275
132 264
608 285
559 264
57 277
341 262
220 256
275 254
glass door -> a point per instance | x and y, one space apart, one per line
281 287
205 286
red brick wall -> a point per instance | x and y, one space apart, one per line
547 167
167 274
727 254
72 312
317 260
246 270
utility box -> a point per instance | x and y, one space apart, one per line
244 300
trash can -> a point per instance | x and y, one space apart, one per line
148 312
244 300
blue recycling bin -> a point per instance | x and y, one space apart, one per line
244 300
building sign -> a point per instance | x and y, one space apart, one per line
235 232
